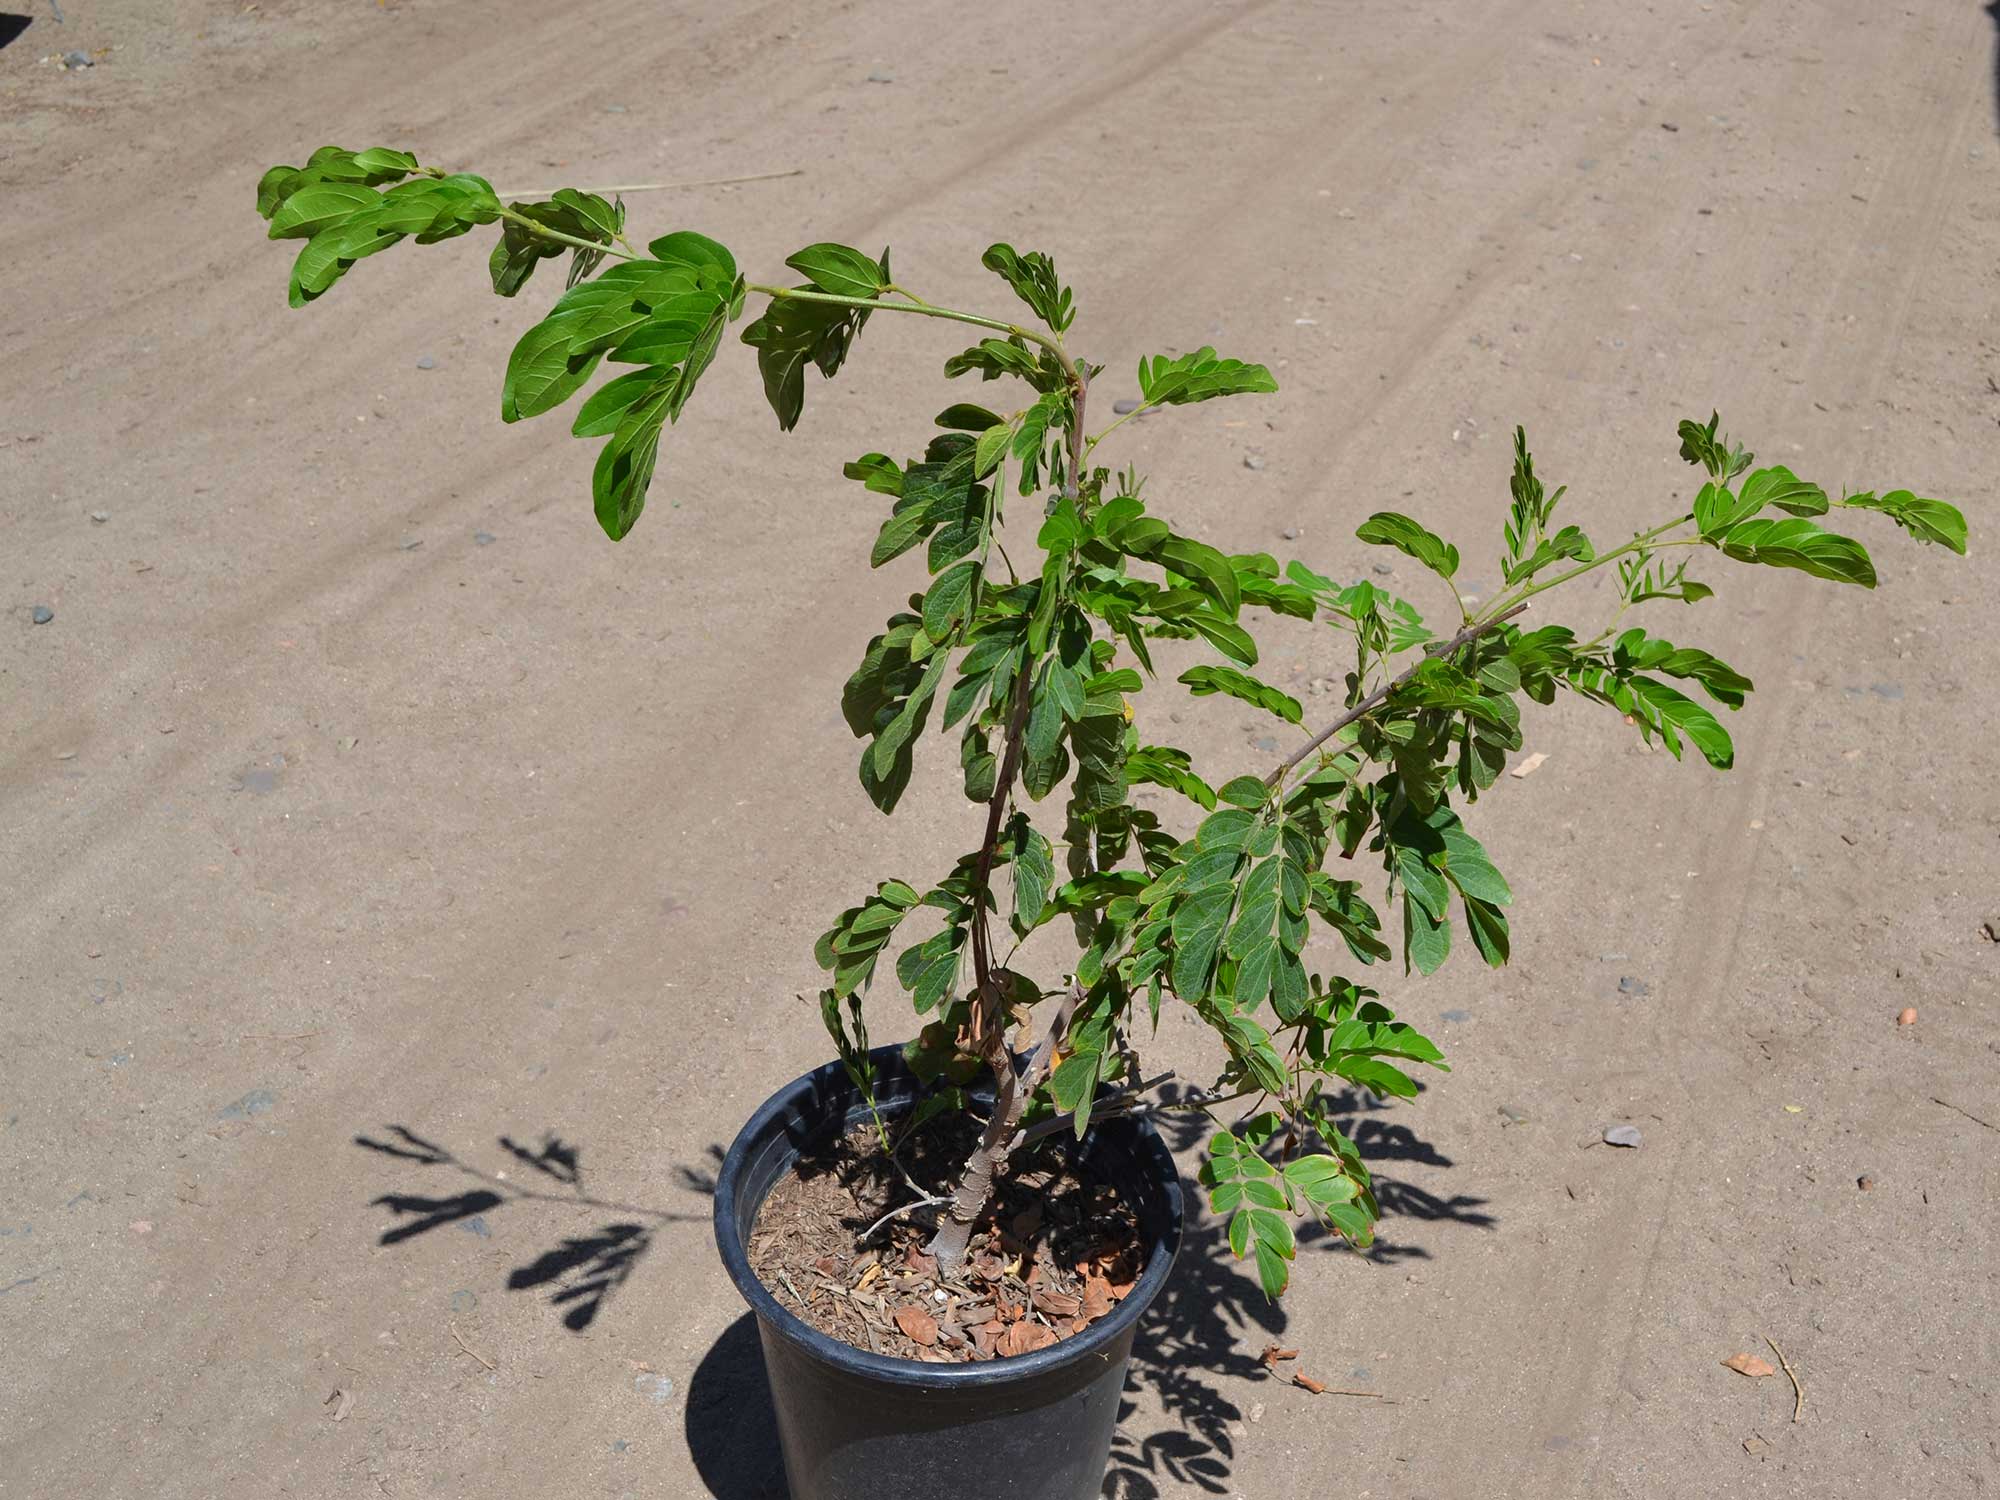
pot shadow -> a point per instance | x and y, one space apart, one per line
12 25
581 1272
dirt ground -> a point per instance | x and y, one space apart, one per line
356 780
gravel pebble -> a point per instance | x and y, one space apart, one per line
1384 569
1290 533
1622 1135
483 538
1124 408
425 362
41 614
1252 461
100 516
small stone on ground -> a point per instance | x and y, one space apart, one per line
1622 1135
41 614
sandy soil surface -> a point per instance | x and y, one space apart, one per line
356 781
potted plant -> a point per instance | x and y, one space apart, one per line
955 1238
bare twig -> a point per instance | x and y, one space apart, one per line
927 1201
790 1288
1373 701
1798 1391
658 187
1107 1106
469 1349
1966 1112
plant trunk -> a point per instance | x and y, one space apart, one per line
1010 1092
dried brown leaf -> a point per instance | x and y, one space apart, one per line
1057 1304
1096 1298
918 1326
1751 1365
1306 1382
1273 1353
1024 1338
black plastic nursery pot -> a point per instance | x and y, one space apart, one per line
861 1426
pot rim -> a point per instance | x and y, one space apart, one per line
1152 1158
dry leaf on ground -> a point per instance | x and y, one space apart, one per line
1273 1353
1529 766
918 1326
1751 1365
1306 1382
341 1400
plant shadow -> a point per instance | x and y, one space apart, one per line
579 1273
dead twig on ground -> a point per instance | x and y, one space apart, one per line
1798 1391
469 1349
661 187
1966 1112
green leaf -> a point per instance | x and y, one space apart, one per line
1245 791
1204 567
1034 875
1926 520
541 374
686 248
1426 938
1202 681
1779 486
1698 445
1199 376
789 335
1231 639
949 599
1321 1179
624 468
1635 651
1387 528
839 269
965 417
1716 509
322 206
1375 1075
1799 544
1164 766
606 407
1488 925
1033 278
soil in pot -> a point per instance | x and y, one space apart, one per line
1057 1249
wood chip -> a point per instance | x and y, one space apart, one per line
918 1326
1529 766
1751 1365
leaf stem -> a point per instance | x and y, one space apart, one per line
1643 539
926 310
1137 411
1374 700
543 231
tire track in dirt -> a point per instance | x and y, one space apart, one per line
1586 1357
